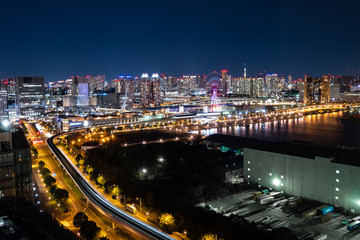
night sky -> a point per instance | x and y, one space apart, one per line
60 39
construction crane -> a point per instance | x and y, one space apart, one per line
123 107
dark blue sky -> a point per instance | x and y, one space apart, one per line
58 39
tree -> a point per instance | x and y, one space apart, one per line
41 165
101 180
78 157
103 238
89 230
45 171
167 222
35 152
53 189
49 180
79 218
61 194
116 191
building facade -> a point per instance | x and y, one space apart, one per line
150 90
323 174
316 90
30 96
15 165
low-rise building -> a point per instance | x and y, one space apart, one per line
325 174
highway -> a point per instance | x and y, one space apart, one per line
100 201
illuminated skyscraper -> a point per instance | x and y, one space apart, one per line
30 96
150 90
80 91
316 90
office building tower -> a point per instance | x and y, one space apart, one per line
29 96
80 91
316 90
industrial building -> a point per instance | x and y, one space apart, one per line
325 174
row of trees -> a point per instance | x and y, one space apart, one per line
187 174
88 229
59 194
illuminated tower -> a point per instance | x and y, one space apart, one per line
244 70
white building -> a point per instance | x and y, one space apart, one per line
306 171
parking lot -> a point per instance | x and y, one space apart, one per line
243 204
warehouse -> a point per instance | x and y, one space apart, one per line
324 174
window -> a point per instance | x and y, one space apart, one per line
337 189
282 184
270 174
337 171
336 197
259 179
248 176
249 169
282 176
248 162
337 180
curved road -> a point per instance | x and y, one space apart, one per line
100 201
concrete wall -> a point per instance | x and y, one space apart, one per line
316 179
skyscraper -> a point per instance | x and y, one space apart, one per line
29 96
80 91
316 90
150 90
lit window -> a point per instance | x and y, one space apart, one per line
248 176
336 197
337 171
337 189
259 179
249 169
248 162
282 184
337 180
270 174
282 176
259 185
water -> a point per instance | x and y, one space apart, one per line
325 129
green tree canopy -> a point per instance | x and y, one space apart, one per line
45 171
41 165
89 230
79 218
49 180
61 194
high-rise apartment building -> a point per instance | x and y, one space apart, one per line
150 90
316 90
15 163
3 99
29 96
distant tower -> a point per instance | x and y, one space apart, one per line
244 70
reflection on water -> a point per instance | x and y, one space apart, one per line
325 129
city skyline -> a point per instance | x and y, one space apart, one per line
112 38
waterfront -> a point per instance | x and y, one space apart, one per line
325 129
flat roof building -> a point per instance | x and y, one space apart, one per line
325 174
